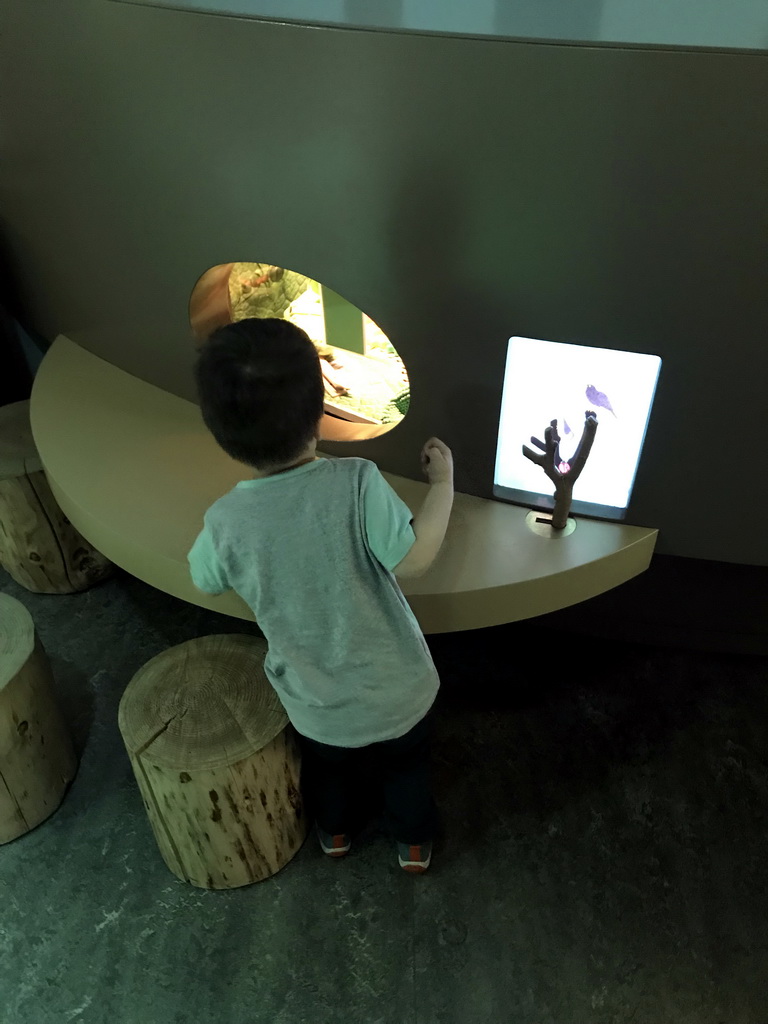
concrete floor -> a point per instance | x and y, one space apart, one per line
603 856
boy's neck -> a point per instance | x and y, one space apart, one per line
283 469
308 455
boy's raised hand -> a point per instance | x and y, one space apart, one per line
437 461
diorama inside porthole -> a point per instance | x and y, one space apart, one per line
367 391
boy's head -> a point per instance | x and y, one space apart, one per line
261 391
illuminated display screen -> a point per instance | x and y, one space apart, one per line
548 380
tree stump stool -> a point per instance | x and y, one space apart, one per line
39 547
37 760
216 760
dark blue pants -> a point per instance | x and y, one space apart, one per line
340 782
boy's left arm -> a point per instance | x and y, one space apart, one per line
206 570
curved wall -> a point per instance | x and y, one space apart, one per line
740 23
459 190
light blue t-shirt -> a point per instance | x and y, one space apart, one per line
311 551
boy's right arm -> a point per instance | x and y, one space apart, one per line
429 525
431 521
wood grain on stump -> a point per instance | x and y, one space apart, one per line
37 760
39 547
216 760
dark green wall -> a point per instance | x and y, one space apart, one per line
457 190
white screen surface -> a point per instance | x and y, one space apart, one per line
548 380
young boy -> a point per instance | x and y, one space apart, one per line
311 545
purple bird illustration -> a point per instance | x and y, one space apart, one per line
599 398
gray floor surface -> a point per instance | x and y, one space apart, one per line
602 857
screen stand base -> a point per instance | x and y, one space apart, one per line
540 524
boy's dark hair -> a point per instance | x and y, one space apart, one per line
260 389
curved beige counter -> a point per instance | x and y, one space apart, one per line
134 469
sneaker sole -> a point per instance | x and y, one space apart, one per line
336 853
414 867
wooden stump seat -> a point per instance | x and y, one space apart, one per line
37 760
39 547
216 760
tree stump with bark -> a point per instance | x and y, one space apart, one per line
216 760
39 547
37 759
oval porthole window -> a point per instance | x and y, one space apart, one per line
367 391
